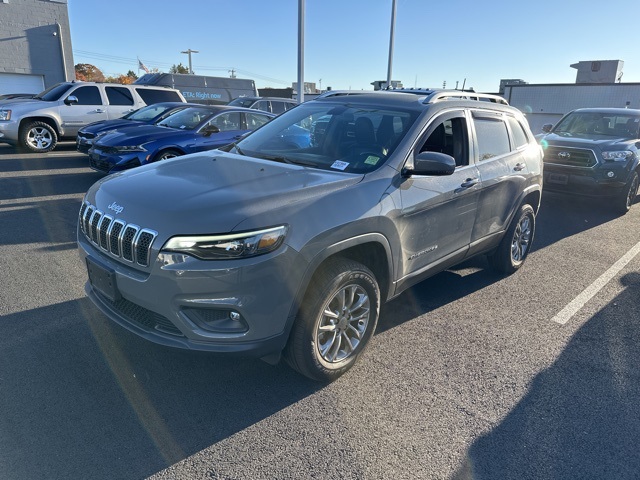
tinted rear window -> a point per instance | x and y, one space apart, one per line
150 96
119 96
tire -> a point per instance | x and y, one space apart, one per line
338 316
38 137
166 154
516 243
628 194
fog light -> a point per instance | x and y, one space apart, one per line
611 174
217 320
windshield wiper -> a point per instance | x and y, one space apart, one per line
281 159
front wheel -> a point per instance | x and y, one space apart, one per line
166 154
338 317
38 137
516 244
628 194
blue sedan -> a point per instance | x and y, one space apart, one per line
191 130
149 114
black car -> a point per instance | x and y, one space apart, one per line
150 114
594 152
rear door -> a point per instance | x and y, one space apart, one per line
501 160
120 101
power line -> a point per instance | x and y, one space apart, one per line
164 65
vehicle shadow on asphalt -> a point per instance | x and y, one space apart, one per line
58 403
562 216
48 222
580 417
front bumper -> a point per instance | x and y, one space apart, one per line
109 163
591 182
9 132
238 306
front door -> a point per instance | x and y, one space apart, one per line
90 108
438 212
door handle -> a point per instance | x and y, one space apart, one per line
469 182
99 110
520 166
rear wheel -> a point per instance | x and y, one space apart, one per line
628 194
336 321
38 137
516 244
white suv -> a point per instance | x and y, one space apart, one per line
60 111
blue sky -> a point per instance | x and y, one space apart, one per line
347 41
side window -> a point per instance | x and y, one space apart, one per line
255 120
87 95
449 136
119 96
493 139
262 105
150 96
227 121
519 137
277 107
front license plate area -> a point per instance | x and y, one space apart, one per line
558 178
103 279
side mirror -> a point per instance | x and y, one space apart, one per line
71 100
431 163
210 129
546 128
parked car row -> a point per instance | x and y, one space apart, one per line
178 131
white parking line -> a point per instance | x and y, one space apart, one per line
51 171
588 293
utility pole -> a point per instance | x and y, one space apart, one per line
232 73
189 52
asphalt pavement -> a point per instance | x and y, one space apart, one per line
470 375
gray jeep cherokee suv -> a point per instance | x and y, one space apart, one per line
595 152
291 239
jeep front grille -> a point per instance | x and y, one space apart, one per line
570 157
126 241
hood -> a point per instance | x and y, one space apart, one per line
212 192
600 141
108 124
23 103
139 133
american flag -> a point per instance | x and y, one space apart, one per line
142 66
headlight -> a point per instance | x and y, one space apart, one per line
618 156
5 115
129 148
232 245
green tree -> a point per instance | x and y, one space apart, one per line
86 72
132 76
178 68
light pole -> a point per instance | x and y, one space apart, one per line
391 37
189 52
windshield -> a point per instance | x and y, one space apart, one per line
588 124
187 119
54 93
149 112
241 102
330 136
